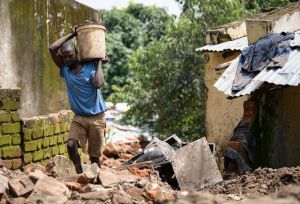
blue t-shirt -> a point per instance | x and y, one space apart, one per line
84 98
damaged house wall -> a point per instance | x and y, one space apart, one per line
276 127
221 114
278 142
27 28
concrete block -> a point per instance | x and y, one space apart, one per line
16 139
63 115
8 128
30 146
66 136
11 152
4 116
10 104
15 116
195 166
5 140
21 186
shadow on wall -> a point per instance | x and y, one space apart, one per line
26 30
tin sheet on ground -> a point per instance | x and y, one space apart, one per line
195 166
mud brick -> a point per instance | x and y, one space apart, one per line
44 120
4 116
16 139
66 136
11 152
47 153
57 128
62 149
16 163
53 140
38 155
7 163
15 116
27 158
71 115
48 130
46 141
27 133
4 140
30 122
37 132
64 127
44 162
10 104
54 118
21 185
60 139
39 144
55 150
30 146
63 115
8 128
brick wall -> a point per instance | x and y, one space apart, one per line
31 139
10 139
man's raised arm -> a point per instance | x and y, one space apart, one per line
55 47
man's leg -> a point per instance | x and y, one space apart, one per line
95 160
96 134
72 146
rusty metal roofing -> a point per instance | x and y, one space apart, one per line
237 44
289 74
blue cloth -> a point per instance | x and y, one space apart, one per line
84 98
271 51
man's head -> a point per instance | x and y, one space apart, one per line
69 53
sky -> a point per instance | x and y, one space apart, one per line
171 6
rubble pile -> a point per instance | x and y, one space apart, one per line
261 181
57 182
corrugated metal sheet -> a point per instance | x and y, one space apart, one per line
237 44
287 75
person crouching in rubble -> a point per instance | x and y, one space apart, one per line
240 149
83 82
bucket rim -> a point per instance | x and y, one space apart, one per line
90 26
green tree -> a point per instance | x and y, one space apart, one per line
127 30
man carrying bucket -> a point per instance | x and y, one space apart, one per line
83 81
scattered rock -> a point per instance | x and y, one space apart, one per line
49 190
3 185
21 186
60 166
98 195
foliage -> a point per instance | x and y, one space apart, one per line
166 90
127 30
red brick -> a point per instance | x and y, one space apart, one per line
27 158
11 152
17 163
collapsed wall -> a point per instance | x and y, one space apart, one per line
31 139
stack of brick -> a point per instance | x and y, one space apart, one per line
45 136
10 139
